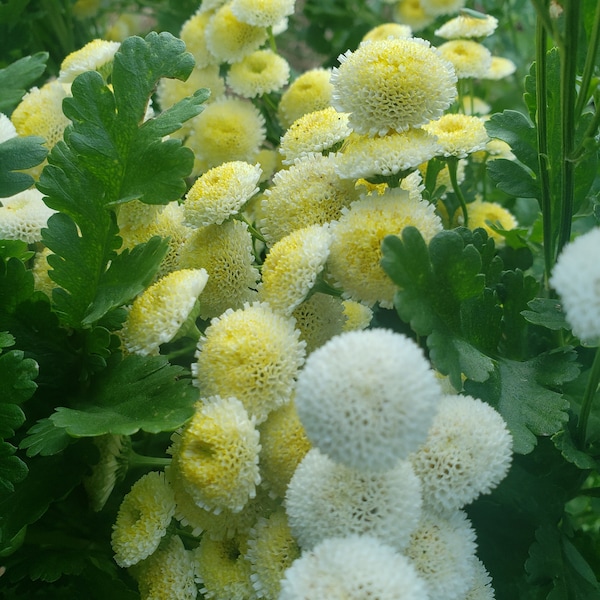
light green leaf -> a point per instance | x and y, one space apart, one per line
136 393
546 312
45 438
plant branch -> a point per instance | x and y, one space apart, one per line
588 399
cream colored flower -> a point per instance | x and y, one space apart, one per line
308 193
308 93
142 521
225 252
220 193
355 252
481 586
226 130
482 214
23 216
96 55
442 7
7 129
411 13
393 84
470 59
314 132
500 68
358 315
40 269
261 72
291 267
367 398
158 313
216 455
283 445
387 31
458 135
229 39
363 156
271 550
468 452
253 354
467 26
193 33
262 13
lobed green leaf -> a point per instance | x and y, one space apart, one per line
17 154
18 77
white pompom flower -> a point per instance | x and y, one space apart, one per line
367 398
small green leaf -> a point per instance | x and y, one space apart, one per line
12 469
17 377
16 249
18 77
46 439
546 312
513 179
564 442
11 418
6 339
16 154
137 393
16 284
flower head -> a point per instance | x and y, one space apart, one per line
292 265
225 252
283 445
216 455
7 129
481 586
352 568
193 33
470 59
500 68
308 193
442 7
253 354
358 315
387 31
363 156
229 39
468 452
411 13
467 26
259 73
482 214
458 135
168 573
367 398
142 520
314 132
23 216
309 92
228 129
393 84
327 499
262 13
442 550
220 193
355 252
271 550
96 55
158 313
576 278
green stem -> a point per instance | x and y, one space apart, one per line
139 460
255 232
568 93
543 15
588 135
452 170
542 141
272 43
590 63
588 399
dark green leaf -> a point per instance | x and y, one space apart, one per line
46 439
12 469
6 339
137 393
17 377
16 285
18 77
16 154
571 453
513 179
11 418
546 312
16 249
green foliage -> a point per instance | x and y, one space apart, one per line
17 78
16 154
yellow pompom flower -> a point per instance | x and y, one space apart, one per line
309 92
393 84
225 251
387 31
96 55
466 26
318 319
500 68
458 135
258 73
355 253
142 520
168 573
222 569
270 161
358 315
442 7
363 156
193 33
283 446
23 216
309 192
482 214
220 193
291 267
470 59
314 132
230 39
253 354
216 455
226 130
262 13
271 551
157 314
411 13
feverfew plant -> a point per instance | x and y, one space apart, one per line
300 305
